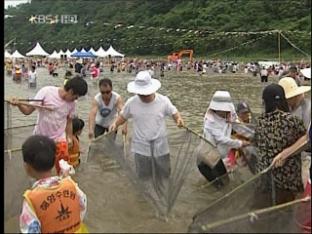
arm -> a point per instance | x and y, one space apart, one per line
178 119
69 131
216 133
82 202
29 222
26 110
280 159
119 105
119 121
94 109
171 110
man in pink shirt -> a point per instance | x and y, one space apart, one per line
56 123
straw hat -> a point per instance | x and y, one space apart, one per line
143 84
221 101
291 88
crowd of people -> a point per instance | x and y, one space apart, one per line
285 121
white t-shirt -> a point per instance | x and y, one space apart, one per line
264 72
149 124
32 77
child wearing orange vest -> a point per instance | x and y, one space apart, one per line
74 151
54 204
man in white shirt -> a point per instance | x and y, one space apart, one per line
148 110
32 77
264 74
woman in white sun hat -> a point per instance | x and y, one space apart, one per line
148 110
217 130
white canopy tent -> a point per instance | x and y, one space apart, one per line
74 51
37 51
113 53
83 51
61 52
55 55
7 54
92 51
101 52
17 54
68 53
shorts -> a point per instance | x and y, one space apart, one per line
99 130
146 166
32 85
61 153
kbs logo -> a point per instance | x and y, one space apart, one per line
53 19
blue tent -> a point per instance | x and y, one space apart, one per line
80 54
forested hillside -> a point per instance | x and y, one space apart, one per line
138 27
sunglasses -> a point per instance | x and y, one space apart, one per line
106 92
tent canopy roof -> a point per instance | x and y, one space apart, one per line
113 53
55 55
37 51
17 54
101 52
7 54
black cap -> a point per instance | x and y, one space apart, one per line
273 96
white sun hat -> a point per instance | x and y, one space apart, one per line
291 88
306 72
143 84
221 101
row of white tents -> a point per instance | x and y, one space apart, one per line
39 51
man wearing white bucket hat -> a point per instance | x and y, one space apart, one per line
148 110
217 130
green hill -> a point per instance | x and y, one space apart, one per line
139 27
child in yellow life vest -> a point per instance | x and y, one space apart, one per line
54 204
74 151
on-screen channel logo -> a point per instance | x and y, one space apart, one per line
53 19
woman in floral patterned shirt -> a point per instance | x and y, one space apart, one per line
276 130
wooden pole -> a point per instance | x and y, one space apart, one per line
279 45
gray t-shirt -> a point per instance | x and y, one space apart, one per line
149 124
106 113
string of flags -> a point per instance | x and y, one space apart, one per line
215 36
293 45
241 45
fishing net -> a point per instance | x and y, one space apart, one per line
16 180
292 217
251 207
159 177
168 177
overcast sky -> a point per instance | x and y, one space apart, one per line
14 2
